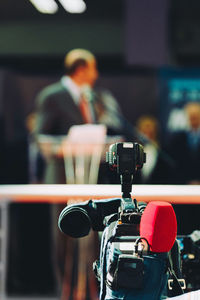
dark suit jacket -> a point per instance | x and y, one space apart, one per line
187 160
57 112
187 169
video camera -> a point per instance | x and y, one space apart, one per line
136 237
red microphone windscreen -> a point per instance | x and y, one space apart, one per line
159 226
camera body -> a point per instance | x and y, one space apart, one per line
126 157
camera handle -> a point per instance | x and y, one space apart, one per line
128 205
126 180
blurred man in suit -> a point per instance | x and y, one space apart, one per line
184 147
159 166
74 101
62 105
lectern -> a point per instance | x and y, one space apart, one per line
82 151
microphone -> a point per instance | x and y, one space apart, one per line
76 220
159 226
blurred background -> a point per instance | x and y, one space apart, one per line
148 55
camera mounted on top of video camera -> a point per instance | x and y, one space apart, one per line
126 159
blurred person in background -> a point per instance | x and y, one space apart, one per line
74 100
184 147
158 166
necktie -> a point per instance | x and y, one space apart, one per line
85 110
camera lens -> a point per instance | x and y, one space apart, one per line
75 222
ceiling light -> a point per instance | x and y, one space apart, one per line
73 6
45 6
